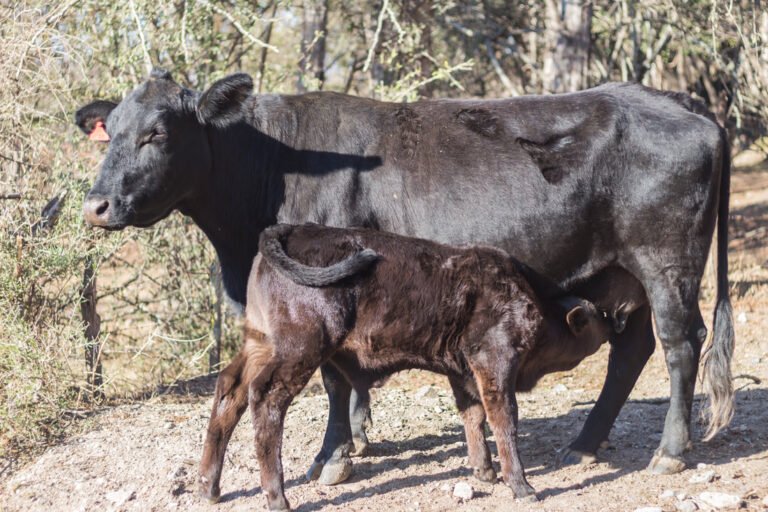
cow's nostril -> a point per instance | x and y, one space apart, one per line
103 207
96 211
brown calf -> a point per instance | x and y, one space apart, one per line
373 303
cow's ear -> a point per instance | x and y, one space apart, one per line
92 119
220 105
578 319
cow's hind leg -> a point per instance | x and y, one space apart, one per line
680 327
630 351
333 464
473 416
360 417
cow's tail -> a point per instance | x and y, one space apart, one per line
271 249
718 383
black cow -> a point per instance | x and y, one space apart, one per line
616 180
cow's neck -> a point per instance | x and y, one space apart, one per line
234 206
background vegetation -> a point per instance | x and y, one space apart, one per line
156 301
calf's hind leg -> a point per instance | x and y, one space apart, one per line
229 402
473 416
271 393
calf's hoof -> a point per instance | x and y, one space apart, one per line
573 457
211 493
524 493
531 498
485 474
662 464
279 503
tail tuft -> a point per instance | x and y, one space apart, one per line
718 382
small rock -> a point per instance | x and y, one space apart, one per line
702 478
426 392
687 506
445 487
742 318
681 496
649 509
721 499
765 501
168 425
121 497
668 494
701 465
464 491
179 472
560 388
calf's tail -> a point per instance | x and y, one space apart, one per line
718 383
271 249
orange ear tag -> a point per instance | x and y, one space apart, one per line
99 134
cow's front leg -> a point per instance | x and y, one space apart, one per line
333 464
630 351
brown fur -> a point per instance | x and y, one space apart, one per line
467 313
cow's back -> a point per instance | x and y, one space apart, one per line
551 179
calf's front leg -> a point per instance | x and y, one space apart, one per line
495 371
473 416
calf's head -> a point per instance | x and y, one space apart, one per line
159 153
565 343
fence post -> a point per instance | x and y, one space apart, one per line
214 356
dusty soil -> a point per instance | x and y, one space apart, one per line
144 456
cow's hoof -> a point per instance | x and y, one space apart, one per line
485 474
314 471
360 448
666 464
571 457
335 471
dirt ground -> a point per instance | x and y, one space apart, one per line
144 456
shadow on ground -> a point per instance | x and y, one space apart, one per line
633 441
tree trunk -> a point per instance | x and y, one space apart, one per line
566 61
313 33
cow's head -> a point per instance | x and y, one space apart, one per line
159 151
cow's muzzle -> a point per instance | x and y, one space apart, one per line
97 211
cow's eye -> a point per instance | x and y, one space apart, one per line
156 135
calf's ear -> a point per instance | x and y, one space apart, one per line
92 119
578 319
220 105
